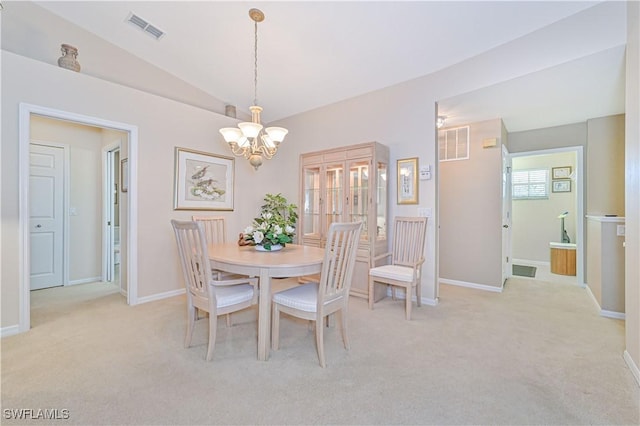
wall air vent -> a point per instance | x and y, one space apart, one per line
140 23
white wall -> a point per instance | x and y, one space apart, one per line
632 190
535 222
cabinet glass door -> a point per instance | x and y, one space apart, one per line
381 201
334 197
359 195
311 206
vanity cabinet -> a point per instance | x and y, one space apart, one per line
347 184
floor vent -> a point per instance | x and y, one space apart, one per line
142 24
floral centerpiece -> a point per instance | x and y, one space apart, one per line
275 227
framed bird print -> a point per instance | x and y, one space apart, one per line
203 181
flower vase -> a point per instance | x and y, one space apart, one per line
274 247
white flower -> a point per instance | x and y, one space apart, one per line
248 230
263 226
289 229
258 237
267 215
277 230
197 191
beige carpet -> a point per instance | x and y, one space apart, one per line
538 353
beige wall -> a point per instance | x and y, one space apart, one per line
162 125
605 157
535 223
632 189
85 185
471 211
605 263
548 138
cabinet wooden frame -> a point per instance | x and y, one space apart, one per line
347 184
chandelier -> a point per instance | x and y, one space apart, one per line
249 139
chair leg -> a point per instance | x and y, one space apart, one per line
213 323
343 328
275 327
408 303
418 294
320 343
393 292
228 320
192 314
371 287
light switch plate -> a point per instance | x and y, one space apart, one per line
620 230
424 212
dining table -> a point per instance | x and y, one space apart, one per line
293 260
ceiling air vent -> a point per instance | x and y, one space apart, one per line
153 31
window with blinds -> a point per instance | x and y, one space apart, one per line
453 144
530 184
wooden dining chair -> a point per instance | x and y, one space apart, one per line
217 297
215 232
316 300
407 257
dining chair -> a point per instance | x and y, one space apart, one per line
316 300
215 232
216 297
407 257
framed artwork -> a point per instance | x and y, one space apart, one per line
561 172
203 181
562 185
124 175
408 181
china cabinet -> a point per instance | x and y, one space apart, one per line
347 184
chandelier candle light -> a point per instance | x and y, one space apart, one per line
249 139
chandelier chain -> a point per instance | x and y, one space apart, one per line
255 64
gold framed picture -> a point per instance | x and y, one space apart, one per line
561 172
408 180
203 181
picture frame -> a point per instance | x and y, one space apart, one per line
407 181
561 172
124 175
203 181
561 185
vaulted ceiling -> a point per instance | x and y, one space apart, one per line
312 54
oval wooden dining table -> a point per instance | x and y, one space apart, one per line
292 261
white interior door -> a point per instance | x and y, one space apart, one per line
506 214
46 198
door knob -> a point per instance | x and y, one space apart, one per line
38 226
505 226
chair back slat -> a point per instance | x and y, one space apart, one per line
194 257
408 240
339 260
214 228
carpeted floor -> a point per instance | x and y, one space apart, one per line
538 353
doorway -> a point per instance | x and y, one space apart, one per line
538 221
26 113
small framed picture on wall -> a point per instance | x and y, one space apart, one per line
561 185
561 172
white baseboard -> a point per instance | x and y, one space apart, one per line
476 286
85 281
604 312
612 314
161 296
9 331
632 366
530 262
